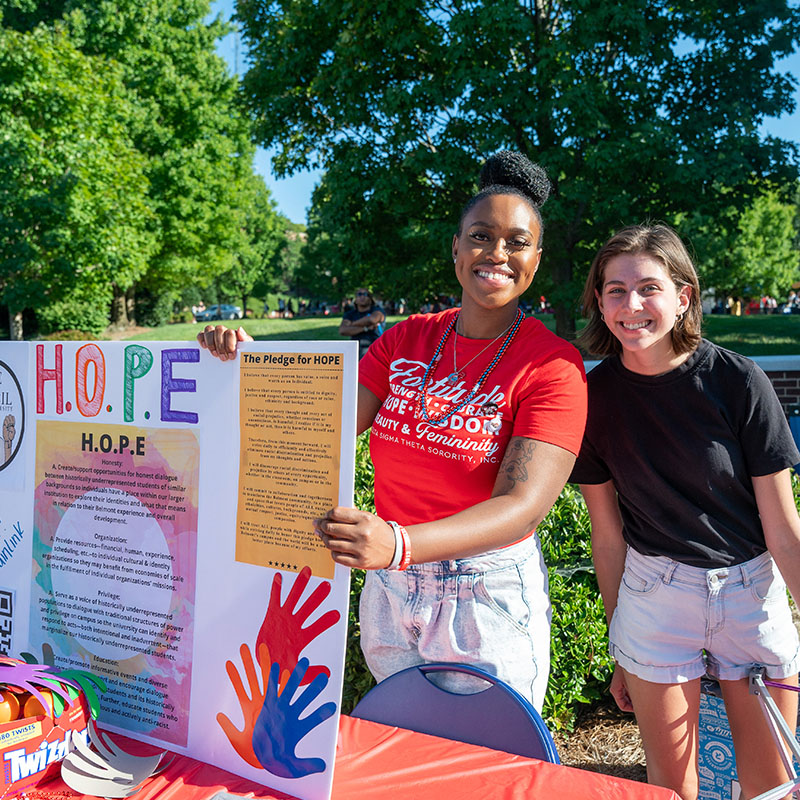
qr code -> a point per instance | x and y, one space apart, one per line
6 620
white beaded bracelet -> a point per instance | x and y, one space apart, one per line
398 544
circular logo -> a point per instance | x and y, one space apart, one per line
719 755
12 415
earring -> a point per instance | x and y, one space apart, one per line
454 259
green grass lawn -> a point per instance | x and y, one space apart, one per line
767 335
267 330
771 334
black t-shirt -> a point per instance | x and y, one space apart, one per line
681 449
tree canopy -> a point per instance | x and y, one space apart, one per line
257 262
74 215
751 251
638 110
170 148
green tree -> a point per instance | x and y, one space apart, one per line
257 258
750 251
74 215
314 268
191 130
637 110
188 126
287 277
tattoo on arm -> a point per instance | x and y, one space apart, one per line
515 462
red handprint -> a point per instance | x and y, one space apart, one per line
242 740
282 630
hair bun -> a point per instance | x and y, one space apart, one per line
516 170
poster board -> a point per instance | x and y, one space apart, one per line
140 541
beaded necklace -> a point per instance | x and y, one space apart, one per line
457 374
422 403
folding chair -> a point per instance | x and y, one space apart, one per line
497 717
783 735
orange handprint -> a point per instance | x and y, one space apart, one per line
282 630
242 740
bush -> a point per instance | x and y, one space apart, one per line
72 315
153 311
184 315
68 336
357 678
580 665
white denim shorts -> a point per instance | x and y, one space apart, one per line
491 611
674 623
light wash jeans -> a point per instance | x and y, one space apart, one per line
491 611
673 622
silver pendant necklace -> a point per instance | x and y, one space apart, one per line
457 374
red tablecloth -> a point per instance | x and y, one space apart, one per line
377 762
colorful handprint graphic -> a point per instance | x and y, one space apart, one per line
272 728
252 703
282 630
279 729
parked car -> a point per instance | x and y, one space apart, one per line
222 311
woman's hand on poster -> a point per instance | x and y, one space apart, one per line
251 701
619 691
356 538
279 728
284 629
221 341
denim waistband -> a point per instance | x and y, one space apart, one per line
669 570
485 562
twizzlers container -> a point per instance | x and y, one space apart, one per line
33 744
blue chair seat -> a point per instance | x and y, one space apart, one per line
497 717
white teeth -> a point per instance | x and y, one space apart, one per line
634 326
493 275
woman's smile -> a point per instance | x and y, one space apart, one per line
496 275
632 326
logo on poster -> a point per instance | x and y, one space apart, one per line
12 415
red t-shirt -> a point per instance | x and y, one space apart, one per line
425 472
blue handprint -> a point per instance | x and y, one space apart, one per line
279 729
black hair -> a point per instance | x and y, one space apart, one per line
510 173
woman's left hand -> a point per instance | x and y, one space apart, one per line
356 538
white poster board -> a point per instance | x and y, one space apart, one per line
141 542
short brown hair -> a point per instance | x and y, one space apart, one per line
663 244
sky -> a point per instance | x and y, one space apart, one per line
293 195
